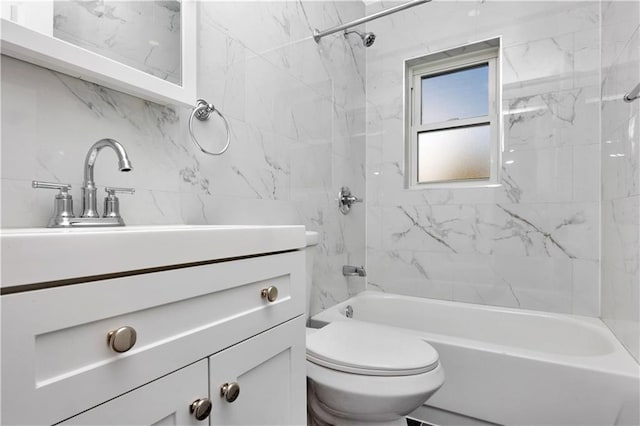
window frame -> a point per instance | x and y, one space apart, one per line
415 70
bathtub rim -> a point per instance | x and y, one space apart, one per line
619 361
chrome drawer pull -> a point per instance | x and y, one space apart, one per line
201 408
230 391
122 339
270 293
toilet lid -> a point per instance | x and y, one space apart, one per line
370 349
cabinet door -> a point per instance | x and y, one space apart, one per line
270 372
165 401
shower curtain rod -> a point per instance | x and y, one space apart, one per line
317 35
633 95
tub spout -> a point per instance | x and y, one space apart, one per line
354 271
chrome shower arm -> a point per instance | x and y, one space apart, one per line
317 35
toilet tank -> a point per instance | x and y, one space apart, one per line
312 241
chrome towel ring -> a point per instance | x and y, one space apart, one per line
202 111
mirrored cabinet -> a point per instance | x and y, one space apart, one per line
146 49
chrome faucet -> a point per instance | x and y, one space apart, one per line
63 216
89 201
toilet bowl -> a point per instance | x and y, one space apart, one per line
364 373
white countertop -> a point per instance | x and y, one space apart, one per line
36 255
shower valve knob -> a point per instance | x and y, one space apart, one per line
346 200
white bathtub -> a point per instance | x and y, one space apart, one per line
511 366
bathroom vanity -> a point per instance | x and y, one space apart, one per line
153 325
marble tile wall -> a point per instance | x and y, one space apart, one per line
296 110
533 242
621 172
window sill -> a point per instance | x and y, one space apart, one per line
453 185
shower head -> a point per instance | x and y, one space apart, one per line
367 38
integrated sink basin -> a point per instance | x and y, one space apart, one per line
45 255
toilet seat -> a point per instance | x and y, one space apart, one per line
371 350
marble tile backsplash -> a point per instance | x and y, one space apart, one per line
296 110
621 172
533 242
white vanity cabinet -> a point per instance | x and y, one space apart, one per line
197 327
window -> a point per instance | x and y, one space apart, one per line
452 117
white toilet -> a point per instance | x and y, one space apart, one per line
362 373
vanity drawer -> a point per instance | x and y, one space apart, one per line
59 360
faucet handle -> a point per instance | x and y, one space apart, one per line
63 187
63 204
111 191
111 202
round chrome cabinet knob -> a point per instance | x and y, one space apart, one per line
201 408
122 339
230 391
270 293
